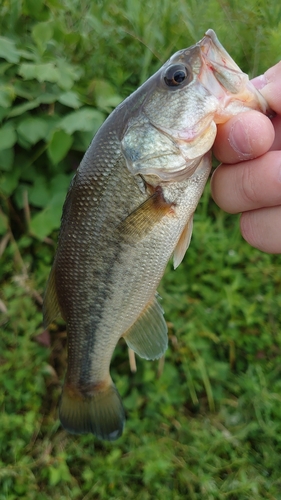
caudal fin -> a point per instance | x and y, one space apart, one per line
100 413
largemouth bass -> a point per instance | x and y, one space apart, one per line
128 210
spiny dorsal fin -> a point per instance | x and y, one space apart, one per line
183 243
148 335
51 308
149 213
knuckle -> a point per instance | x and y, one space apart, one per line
249 186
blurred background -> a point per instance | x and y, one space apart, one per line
206 422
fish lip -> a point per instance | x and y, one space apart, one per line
217 60
211 43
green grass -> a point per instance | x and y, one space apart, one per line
207 424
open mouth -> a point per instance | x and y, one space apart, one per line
216 55
224 79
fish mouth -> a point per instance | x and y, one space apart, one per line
215 53
224 79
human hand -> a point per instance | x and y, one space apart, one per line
249 179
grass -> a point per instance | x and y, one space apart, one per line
207 424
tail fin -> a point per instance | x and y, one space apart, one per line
100 413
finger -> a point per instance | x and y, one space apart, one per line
262 229
248 186
269 86
244 136
276 145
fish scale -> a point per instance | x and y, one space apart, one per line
128 210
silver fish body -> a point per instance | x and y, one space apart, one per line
128 210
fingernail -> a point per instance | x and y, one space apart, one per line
239 139
259 82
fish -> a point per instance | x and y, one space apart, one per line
128 210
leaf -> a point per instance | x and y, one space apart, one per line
27 54
42 33
68 74
88 119
28 90
4 66
46 72
39 195
33 129
28 172
105 95
54 475
48 98
6 159
22 108
9 181
59 146
70 99
8 136
43 223
44 98
7 96
8 50
3 113
82 140
60 183
34 7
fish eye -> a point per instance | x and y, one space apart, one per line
176 75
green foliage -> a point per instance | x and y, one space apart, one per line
207 424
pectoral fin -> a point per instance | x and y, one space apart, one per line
149 213
148 335
51 309
183 243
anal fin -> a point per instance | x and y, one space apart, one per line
148 335
183 243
